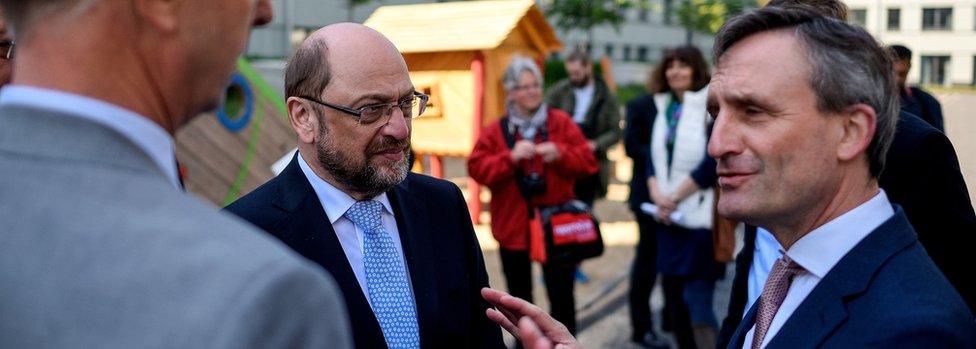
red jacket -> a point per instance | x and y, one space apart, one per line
491 165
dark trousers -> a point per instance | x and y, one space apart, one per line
642 276
690 299
677 311
559 281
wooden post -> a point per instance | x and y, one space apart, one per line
436 166
474 189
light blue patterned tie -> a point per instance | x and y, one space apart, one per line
386 278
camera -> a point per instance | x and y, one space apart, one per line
532 184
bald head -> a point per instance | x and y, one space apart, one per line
343 50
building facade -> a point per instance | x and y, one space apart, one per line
941 34
640 42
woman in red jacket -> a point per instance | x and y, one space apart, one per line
548 155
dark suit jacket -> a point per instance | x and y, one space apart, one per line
884 293
923 105
922 175
445 263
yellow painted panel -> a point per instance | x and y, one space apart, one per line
450 133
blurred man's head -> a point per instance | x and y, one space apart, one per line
901 63
804 113
338 72
6 51
167 60
579 66
827 8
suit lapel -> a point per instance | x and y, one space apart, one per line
824 310
412 215
310 233
744 326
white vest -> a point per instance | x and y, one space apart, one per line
689 151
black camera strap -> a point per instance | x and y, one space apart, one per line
510 141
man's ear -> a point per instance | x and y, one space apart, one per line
303 120
859 123
160 14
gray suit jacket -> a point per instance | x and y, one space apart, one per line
98 250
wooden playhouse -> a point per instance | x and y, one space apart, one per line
457 53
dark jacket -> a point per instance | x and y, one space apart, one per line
917 102
601 124
445 263
884 293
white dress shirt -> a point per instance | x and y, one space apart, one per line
336 203
820 250
767 251
146 134
584 97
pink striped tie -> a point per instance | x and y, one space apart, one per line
773 293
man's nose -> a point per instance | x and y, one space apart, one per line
398 126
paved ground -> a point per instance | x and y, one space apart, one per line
960 122
602 302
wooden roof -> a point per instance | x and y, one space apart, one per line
462 25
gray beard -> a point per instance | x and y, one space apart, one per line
364 177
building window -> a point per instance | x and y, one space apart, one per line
642 54
937 18
934 69
974 71
608 51
859 16
626 52
642 13
894 19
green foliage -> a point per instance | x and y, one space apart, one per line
707 16
625 93
586 14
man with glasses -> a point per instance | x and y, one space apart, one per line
400 245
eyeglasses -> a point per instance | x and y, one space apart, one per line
526 87
411 107
7 49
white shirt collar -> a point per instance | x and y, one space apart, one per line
147 135
822 248
335 201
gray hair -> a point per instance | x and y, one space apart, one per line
848 66
519 65
20 14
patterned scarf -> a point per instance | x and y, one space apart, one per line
525 125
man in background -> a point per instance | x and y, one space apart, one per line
914 99
101 248
594 108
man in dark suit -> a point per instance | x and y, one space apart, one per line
803 164
400 245
914 99
921 174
